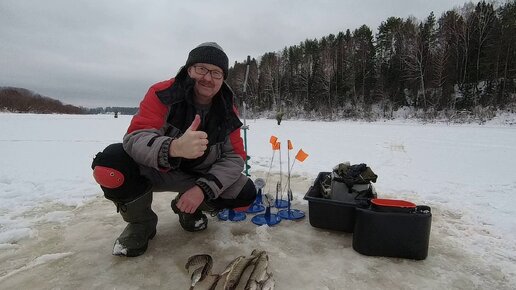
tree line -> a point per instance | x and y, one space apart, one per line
113 110
460 64
463 61
21 100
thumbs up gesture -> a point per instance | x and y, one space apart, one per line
192 144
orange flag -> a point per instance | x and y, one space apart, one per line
276 146
301 155
290 147
273 140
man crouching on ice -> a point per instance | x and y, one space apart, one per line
185 138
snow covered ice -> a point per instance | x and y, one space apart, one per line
57 231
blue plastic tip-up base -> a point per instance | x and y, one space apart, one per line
280 203
266 218
257 205
292 214
229 214
263 219
254 208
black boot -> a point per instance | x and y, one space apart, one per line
192 222
141 228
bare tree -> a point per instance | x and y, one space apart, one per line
464 30
328 68
484 17
413 58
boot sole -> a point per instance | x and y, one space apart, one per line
139 251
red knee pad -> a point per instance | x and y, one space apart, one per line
108 177
242 208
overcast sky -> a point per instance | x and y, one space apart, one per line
107 53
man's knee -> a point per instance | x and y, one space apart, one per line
245 197
248 193
118 174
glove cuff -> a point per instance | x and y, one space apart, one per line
208 193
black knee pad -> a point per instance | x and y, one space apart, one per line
245 198
118 174
248 193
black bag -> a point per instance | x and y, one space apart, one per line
352 182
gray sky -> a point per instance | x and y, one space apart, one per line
107 53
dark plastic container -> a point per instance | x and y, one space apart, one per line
329 213
393 233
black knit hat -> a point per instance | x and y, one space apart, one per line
209 52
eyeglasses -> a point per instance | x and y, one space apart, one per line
216 74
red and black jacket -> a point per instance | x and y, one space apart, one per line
166 112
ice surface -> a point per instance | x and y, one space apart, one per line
50 203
